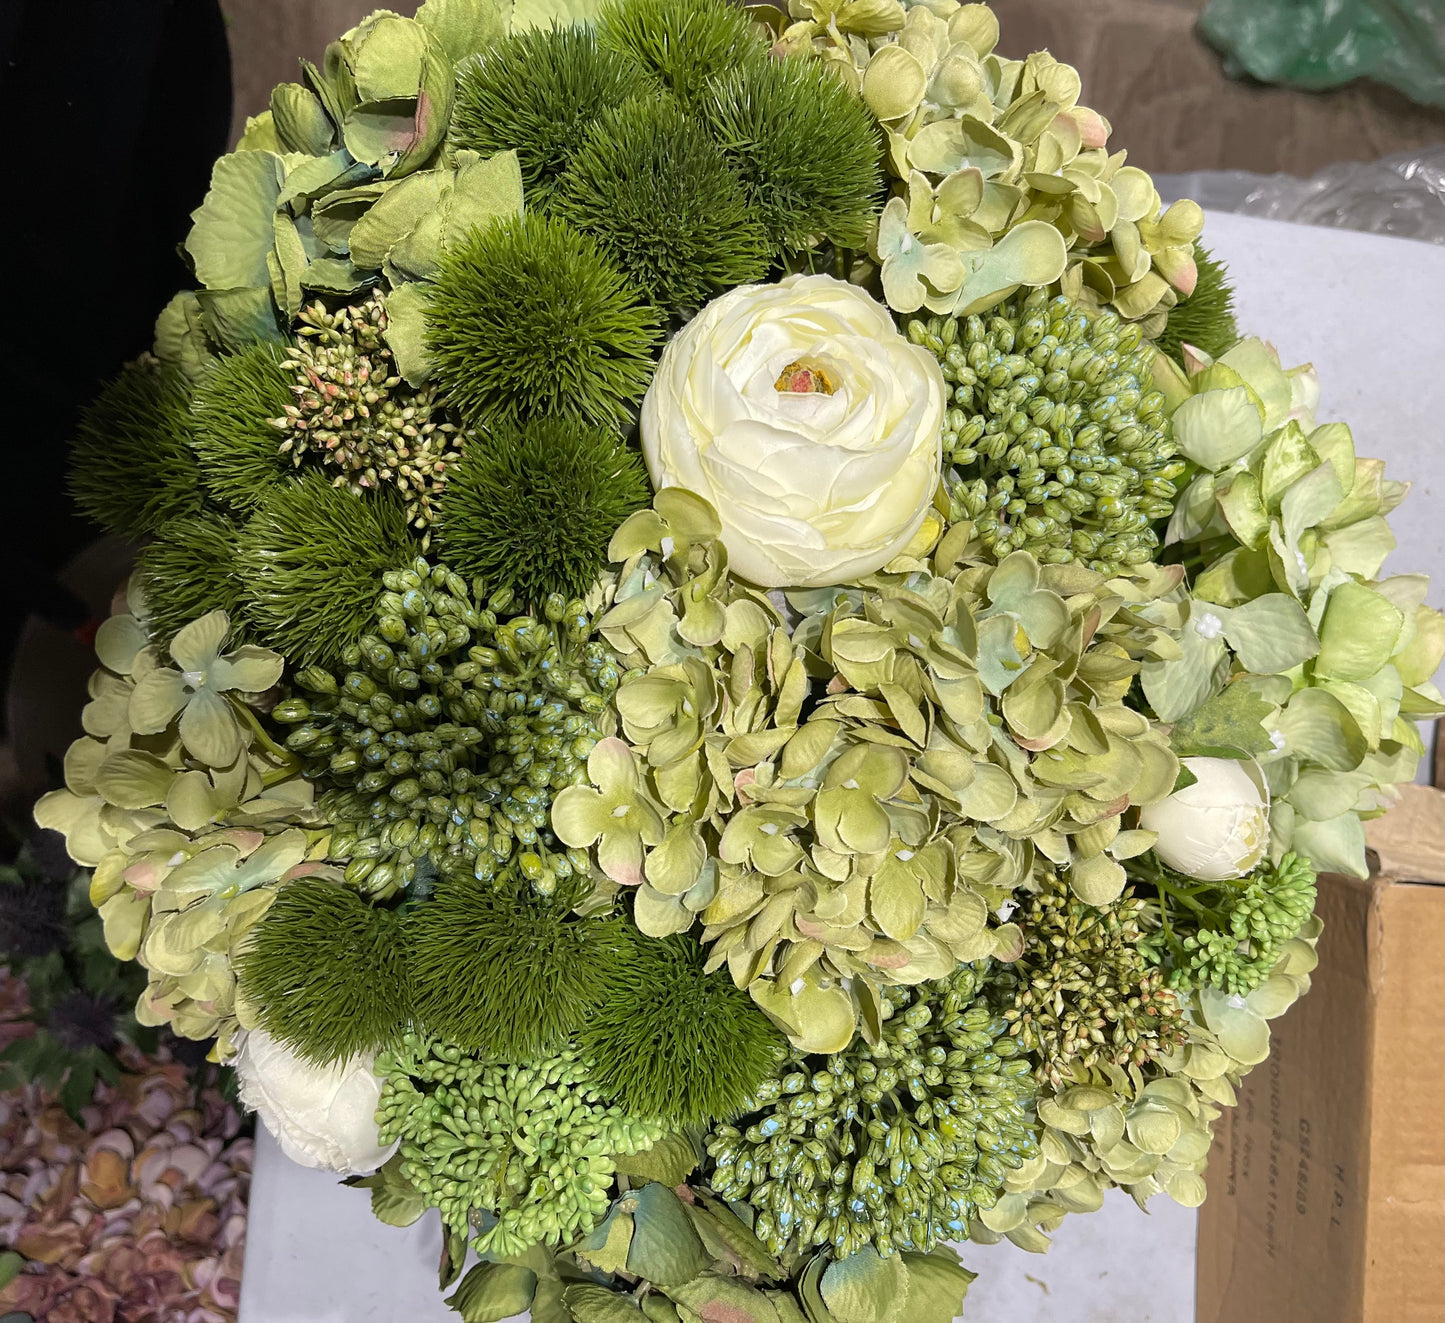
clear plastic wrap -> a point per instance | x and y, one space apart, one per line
1402 195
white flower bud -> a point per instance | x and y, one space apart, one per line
1218 827
322 1116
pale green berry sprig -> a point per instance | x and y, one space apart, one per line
525 1153
895 1145
1054 439
445 735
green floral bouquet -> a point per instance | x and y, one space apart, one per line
736 676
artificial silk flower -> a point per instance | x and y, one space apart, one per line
808 421
1218 827
322 1116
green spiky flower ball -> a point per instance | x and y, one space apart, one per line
500 969
684 43
326 972
1205 319
896 1145
187 570
441 737
533 507
653 189
536 95
1055 440
805 147
528 317
132 467
235 437
672 1041
311 558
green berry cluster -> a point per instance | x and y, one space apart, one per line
895 1145
1227 935
445 734
524 1152
1082 993
353 412
1057 442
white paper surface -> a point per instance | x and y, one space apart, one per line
1367 311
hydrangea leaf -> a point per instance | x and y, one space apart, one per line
1175 688
1271 634
894 82
664 1249
1229 723
713 1296
247 669
1096 881
1361 548
669 1162
1336 845
155 700
231 231
1358 634
1217 427
406 332
464 27
1257 363
1417 661
937 1283
815 1018
588 1303
490 1292
300 120
239 317
1317 726
528 14
117 641
123 918
865 1287
209 729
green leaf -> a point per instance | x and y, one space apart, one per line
454 1255
406 332
10 1265
669 1161
1032 253
1216 427
605 1246
394 1199
1334 846
937 1285
180 336
236 318
596 1304
1318 727
464 27
396 214
865 1288
1358 634
1231 721
1271 634
78 1088
133 779
553 13
491 1292
717 1299
301 121
231 231
665 1249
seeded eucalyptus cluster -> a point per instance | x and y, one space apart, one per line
443 735
533 1145
895 1144
1057 440
1082 992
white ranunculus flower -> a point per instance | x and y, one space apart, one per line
807 420
1218 827
321 1116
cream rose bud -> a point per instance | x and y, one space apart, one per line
807 420
1217 828
322 1116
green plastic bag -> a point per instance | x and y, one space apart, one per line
1323 43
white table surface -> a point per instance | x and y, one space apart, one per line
1367 311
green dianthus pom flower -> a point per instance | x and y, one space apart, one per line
501 970
684 43
672 1041
1205 319
132 467
896 1145
234 409
326 972
187 570
533 507
653 189
310 561
529 317
1055 439
805 147
536 95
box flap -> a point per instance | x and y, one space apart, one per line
1409 840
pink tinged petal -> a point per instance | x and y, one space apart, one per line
620 856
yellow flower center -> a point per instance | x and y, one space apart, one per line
800 378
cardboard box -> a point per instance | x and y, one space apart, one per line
1327 1183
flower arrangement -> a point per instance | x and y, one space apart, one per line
737 675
